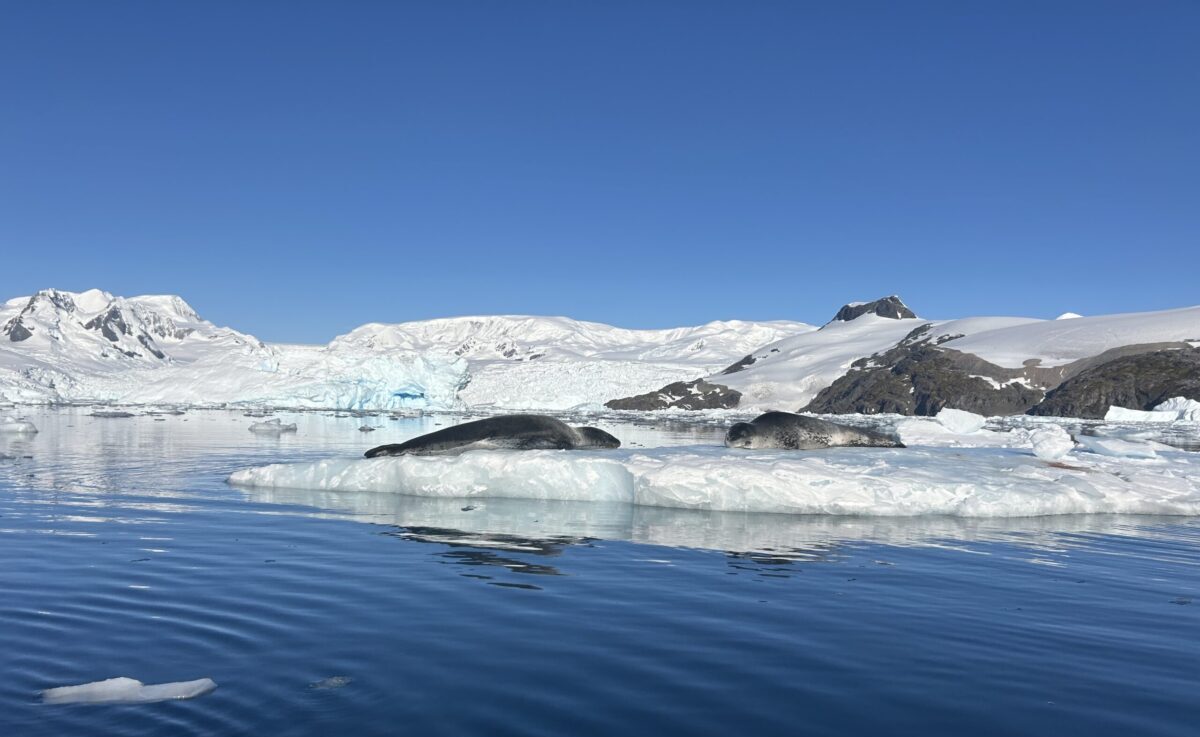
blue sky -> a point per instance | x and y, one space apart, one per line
295 169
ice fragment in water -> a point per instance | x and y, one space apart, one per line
127 691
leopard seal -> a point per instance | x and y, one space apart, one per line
510 432
799 432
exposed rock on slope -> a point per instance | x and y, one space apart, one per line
1135 382
919 378
873 358
691 395
790 371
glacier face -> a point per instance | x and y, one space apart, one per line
58 346
518 362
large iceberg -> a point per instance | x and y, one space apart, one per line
967 482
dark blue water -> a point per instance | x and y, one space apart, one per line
123 553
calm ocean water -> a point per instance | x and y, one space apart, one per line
124 553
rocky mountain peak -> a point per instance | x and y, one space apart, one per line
891 307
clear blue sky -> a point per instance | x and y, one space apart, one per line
295 169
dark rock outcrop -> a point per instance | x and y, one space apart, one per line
892 307
16 330
740 365
1135 382
109 324
918 378
698 394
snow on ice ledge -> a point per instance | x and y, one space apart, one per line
965 482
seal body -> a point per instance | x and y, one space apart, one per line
798 432
511 432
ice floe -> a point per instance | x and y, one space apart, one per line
127 691
931 431
1119 448
968 482
1051 442
960 421
272 427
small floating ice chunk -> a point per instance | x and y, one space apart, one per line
331 683
112 413
1185 409
1051 442
1121 414
1119 448
275 427
13 425
127 691
960 421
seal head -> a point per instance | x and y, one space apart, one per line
593 438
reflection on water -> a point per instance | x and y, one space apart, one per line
149 464
548 525
319 613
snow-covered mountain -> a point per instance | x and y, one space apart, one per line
61 346
885 345
875 356
92 346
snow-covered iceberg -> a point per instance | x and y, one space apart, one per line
1187 410
980 482
127 691
1122 414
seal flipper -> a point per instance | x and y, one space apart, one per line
395 449
876 439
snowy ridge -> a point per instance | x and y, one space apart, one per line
1057 342
527 338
